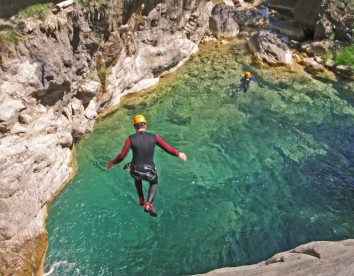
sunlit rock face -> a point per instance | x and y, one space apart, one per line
48 97
270 48
52 91
162 38
314 258
225 20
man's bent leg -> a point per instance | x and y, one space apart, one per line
152 192
148 204
139 190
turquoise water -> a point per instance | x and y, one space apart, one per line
267 170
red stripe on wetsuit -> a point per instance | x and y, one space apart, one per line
127 146
162 144
123 153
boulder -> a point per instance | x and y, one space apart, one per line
315 258
290 28
345 71
312 64
251 17
260 4
88 89
282 4
229 3
324 29
330 63
80 123
239 3
223 21
307 12
24 253
320 48
270 48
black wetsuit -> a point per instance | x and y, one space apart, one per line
142 165
245 82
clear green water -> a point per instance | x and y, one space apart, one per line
267 170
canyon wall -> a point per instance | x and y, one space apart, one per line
53 85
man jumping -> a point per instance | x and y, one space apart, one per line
142 166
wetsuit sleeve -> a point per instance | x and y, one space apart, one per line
162 144
123 153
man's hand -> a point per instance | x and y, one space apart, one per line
183 156
109 165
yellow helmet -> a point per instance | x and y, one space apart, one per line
139 119
248 74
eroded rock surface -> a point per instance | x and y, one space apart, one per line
51 91
270 48
316 258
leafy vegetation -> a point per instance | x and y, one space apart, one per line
8 35
102 72
343 57
346 56
39 11
60 25
328 55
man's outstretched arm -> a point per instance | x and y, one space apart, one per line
162 144
120 157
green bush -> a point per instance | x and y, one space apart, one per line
8 35
346 56
39 11
328 55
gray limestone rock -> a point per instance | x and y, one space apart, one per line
345 71
312 64
162 41
290 28
307 12
315 258
228 3
251 17
268 47
324 29
320 48
223 21
88 89
260 3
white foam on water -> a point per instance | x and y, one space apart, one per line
68 267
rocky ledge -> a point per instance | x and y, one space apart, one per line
315 258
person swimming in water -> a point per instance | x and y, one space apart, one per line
245 82
142 166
